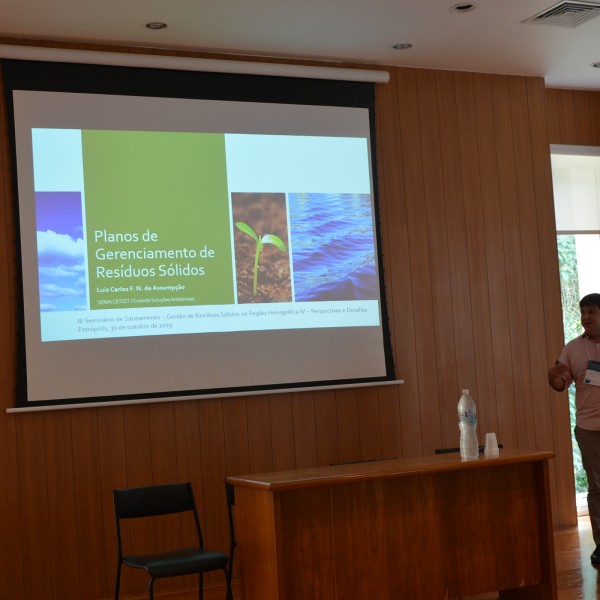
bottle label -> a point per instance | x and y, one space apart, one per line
468 417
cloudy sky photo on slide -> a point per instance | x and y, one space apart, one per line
61 251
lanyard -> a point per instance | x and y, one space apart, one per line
588 350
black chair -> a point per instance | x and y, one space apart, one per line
154 501
230 494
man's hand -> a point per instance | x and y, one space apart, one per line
558 375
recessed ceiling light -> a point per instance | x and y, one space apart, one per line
156 25
464 7
402 46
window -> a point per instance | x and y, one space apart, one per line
576 182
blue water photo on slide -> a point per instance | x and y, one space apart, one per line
333 247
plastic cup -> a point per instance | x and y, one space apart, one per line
491 446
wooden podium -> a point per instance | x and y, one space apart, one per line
429 528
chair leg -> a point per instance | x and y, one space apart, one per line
151 589
200 585
118 582
228 574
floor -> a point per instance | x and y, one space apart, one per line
577 579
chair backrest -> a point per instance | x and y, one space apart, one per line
154 501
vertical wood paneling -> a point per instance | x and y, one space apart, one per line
212 493
475 316
189 463
513 283
235 426
11 553
397 263
541 420
281 422
113 475
442 356
390 422
138 459
458 300
569 105
584 118
495 262
305 434
235 430
259 434
164 470
11 557
370 427
562 475
212 442
63 558
33 492
326 428
469 252
525 332
90 509
425 375
348 425
572 117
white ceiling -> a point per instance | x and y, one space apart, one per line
491 38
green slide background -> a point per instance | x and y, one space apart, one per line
173 184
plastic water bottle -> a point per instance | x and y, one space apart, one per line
467 422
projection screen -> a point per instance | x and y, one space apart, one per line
183 234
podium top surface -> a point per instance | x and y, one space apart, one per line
353 472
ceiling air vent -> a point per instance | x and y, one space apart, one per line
566 14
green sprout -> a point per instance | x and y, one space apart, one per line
267 238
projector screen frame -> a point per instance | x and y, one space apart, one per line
128 82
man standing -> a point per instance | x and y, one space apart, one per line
580 362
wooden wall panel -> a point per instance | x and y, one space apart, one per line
441 354
281 432
368 410
460 313
425 375
11 554
259 434
113 475
212 491
87 483
35 520
348 424
305 434
470 130
469 253
397 267
189 460
64 556
573 117
326 428
495 316
488 128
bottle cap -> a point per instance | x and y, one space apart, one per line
466 392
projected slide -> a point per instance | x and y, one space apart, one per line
173 246
158 232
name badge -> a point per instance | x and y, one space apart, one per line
592 375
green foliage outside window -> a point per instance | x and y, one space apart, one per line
569 285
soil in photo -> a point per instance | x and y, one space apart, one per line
266 214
